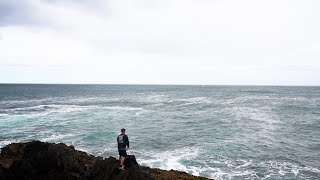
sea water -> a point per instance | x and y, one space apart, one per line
221 132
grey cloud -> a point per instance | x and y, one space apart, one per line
14 12
28 12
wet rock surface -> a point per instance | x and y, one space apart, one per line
40 160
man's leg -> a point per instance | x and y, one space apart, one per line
122 158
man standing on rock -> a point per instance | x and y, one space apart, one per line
123 143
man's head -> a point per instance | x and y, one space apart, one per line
123 130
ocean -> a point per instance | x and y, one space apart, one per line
220 132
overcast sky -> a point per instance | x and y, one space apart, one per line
234 42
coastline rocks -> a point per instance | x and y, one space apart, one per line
40 160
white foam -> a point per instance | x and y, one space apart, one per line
246 164
43 110
43 107
295 171
122 108
238 168
24 101
21 109
171 160
195 100
6 142
283 168
56 137
216 173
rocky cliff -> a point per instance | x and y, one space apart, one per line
40 160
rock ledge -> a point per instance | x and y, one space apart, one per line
37 160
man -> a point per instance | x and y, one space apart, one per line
123 143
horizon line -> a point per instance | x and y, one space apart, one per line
146 84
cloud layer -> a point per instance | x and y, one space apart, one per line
160 42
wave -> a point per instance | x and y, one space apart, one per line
7 142
57 108
122 108
172 160
252 169
221 167
94 99
54 137
195 100
27 101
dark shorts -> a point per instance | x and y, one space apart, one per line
123 153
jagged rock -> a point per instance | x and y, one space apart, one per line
130 161
39 160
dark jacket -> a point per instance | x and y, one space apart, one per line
123 141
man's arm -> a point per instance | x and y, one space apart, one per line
127 140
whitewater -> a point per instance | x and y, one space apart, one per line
220 132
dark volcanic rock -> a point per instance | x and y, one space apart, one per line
39 160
